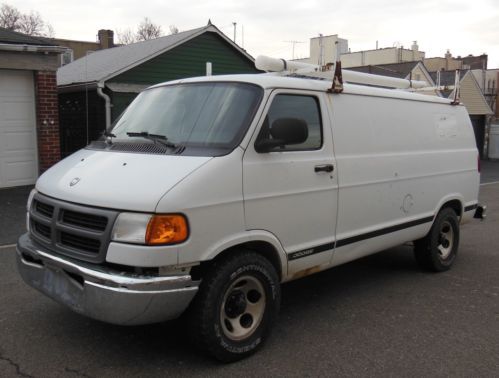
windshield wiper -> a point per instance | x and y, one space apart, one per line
156 138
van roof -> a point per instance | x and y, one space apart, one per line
273 81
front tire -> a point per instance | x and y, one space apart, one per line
437 251
236 306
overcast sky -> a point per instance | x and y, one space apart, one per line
463 27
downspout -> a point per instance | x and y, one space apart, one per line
107 99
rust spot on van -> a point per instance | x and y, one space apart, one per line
307 272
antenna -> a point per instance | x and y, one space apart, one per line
294 44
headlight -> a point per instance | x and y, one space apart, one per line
150 229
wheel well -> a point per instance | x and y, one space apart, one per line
264 249
454 205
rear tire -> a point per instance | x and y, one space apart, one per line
236 306
437 251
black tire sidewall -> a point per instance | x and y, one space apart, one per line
243 347
206 327
437 261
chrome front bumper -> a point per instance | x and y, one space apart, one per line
113 297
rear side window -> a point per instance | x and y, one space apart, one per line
296 106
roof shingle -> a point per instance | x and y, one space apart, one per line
399 70
104 64
14 38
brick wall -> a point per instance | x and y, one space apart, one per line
47 119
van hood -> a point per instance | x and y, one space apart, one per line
124 181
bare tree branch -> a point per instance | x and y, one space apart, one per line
148 30
31 24
28 23
49 31
9 17
125 37
173 29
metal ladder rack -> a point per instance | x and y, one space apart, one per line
335 73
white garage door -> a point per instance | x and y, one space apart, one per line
18 152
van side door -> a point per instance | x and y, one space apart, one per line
291 190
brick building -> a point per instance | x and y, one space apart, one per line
29 118
449 63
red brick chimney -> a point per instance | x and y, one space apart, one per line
106 39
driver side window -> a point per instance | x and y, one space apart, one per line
301 107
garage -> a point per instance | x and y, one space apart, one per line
29 117
18 151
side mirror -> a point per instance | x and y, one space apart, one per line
284 131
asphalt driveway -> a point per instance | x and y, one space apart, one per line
13 213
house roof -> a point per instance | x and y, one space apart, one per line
104 64
399 70
14 38
447 77
470 93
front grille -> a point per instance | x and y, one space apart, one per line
94 222
43 230
72 230
80 242
44 209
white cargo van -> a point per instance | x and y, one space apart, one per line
210 192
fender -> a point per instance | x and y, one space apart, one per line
450 197
244 237
463 217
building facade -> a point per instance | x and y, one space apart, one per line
325 49
450 63
388 55
488 81
78 49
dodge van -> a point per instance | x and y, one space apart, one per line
208 193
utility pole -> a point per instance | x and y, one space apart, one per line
234 23
294 44
321 50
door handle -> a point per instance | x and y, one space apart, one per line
324 168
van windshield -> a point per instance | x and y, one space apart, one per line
199 118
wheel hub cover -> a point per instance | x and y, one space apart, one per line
235 304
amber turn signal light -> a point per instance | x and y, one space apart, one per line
167 229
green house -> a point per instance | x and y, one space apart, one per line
94 90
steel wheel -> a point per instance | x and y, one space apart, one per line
438 249
242 308
237 304
445 240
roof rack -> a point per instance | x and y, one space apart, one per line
334 73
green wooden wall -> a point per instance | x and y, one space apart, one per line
120 101
188 60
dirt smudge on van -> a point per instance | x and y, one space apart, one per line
306 272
